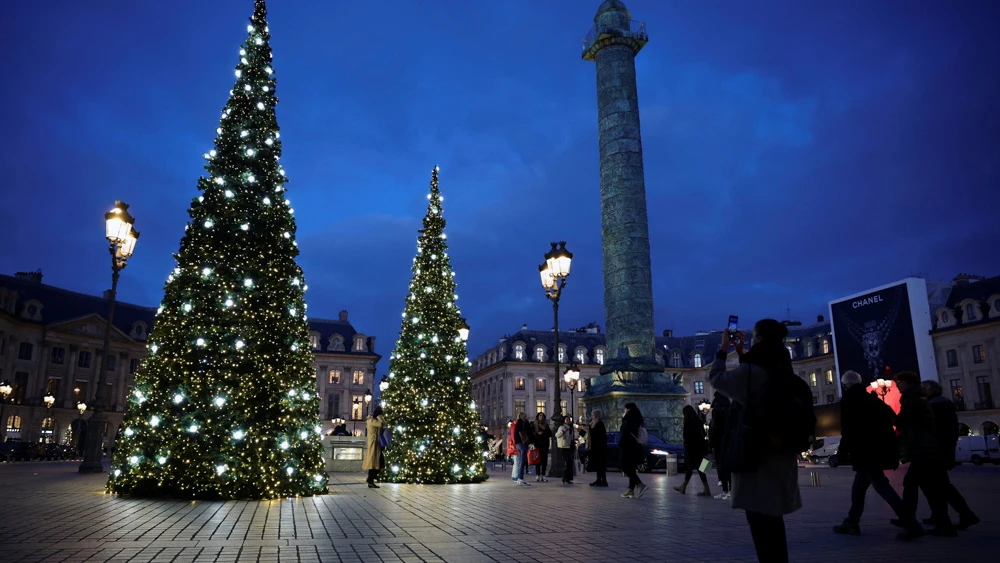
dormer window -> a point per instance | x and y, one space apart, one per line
697 360
970 312
336 343
519 351
359 344
809 348
562 354
599 356
581 355
314 341
826 346
675 359
540 353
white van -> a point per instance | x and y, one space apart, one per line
824 449
978 450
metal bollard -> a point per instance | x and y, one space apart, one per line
814 479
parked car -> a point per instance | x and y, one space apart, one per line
826 449
977 450
656 453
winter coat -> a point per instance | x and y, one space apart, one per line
719 424
542 435
597 445
695 444
373 454
630 451
867 436
945 427
773 488
918 439
565 436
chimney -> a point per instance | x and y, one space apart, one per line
343 316
34 277
819 318
667 333
371 344
524 326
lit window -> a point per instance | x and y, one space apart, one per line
335 376
518 408
540 353
699 387
357 406
599 356
519 351
675 359
359 377
809 348
539 384
812 379
826 346
829 376
519 384
539 406
314 341
978 354
359 344
697 360
581 356
13 423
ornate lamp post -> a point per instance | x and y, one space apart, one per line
5 390
336 422
354 415
121 237
80 423
383 385
463 330
553 273
571 376
368 400
881 386
49 399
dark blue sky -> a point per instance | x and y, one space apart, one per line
793 155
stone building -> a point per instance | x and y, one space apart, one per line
51 341
517 373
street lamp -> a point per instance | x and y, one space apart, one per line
82 407
553 273
571 376
122 236
354 414
5 390
368 400
881 386
383 385
463 330
49 399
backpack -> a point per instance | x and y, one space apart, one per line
385 438
783 419
642 437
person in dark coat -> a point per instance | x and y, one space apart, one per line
695 450
946 432
597 449
868 439
631 451
541 436
919 448
717 428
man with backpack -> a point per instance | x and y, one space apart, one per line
868 440
772 424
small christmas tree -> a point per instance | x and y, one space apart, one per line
224 404
428 403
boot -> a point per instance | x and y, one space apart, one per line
848 528
682 487
705 492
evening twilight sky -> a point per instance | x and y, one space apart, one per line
795 152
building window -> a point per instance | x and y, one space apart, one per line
826 346
970 312
25 350
13 423
314 342
599 356
359 377
334 377
581 356
539 406
675 359
58 356
562 354
519 384
112 362
79 391
699 387
996 305
83 360
519 351
697 360
812 379
48 428
791 354
562 409
518 408
978 354
985 393
539 384
20 387
359 344
333 406
540 353
952 357
957 395
357 407
133 365
830 399
809 348
829 377
52 386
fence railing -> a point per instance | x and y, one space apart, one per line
636 29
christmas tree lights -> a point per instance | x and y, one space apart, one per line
223 404
428 401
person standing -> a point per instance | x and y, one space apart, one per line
597 449
919 448
946 432
542 436
631 452
771 491
695 450
716 439
521 442
374 460
868 439
564 440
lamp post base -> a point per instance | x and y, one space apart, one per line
92 467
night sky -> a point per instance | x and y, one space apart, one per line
793 155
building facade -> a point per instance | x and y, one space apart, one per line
51 342
517 374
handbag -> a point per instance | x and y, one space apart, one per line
534 456
385 438
705 466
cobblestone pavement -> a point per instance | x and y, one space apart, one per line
49 512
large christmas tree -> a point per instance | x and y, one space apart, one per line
224 404
428 403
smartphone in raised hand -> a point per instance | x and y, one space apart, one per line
734 322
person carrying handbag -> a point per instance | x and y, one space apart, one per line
541 435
